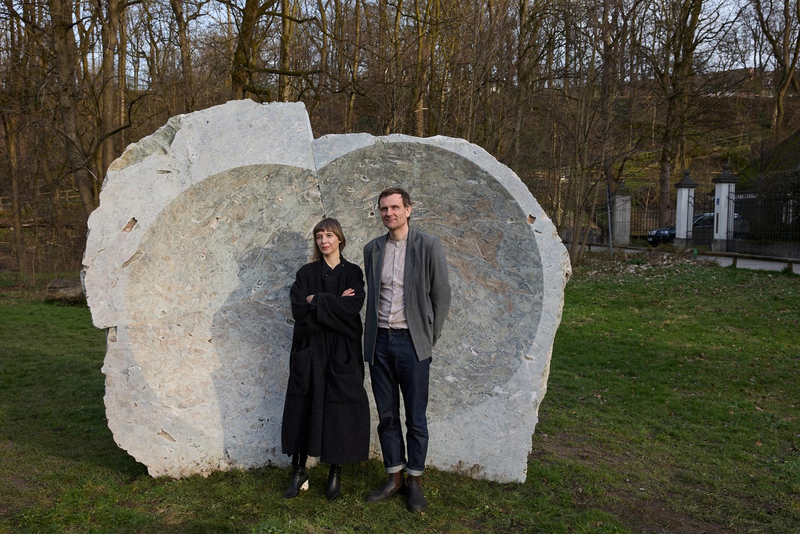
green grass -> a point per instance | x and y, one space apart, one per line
672 405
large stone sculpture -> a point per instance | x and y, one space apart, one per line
200 229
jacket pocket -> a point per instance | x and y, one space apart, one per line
345 381
299 372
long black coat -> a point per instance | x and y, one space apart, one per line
327 412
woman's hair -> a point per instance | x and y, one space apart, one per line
327 225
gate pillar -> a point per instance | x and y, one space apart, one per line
725 187
621 216
684 212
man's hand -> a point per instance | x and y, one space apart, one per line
349 293
309 298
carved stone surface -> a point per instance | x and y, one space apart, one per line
507 271
190 255
196 242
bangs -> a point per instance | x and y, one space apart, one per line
326 225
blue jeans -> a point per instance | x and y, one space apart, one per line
395 364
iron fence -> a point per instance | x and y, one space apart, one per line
766 217
700 230
645 218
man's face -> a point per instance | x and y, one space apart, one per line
393 213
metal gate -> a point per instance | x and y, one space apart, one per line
701 228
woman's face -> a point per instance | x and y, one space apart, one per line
327 242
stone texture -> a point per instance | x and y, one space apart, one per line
188 264
155 171
507 272
192 251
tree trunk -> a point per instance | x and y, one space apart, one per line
397 70
122 78
435 86
778 110
322 86
109 32
354 67
420 77
240 71
577 219
185 46
287 31
666 161
10 127
785 48
587 231
64 49
676 77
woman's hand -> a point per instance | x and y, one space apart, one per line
309 298
349 293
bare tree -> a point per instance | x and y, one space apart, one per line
567 93
65 53
685 36
110 13
780 24
182 21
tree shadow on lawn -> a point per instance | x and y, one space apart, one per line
53 390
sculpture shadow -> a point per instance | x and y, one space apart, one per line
52 394
252 337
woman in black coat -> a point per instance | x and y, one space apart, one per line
326 412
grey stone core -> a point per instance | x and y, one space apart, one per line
493 262
481 426
215 347
193 249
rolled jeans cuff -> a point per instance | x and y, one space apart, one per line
414 472
395 469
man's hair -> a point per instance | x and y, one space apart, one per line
327 225
396 191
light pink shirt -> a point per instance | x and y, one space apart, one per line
391 307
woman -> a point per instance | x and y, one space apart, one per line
326 412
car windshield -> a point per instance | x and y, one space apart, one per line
709 218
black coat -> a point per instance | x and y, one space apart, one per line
326 413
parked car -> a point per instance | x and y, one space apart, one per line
666 234
705 220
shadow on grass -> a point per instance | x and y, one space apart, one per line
52 387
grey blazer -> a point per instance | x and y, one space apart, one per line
425 286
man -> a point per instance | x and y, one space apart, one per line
407 304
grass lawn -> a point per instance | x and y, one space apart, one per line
672 406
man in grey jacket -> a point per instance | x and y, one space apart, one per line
407 304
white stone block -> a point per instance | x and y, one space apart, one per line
200 230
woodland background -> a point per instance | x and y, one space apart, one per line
575 96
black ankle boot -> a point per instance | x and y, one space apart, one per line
299 477
395 484
334 488
415 500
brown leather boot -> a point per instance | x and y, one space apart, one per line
415 500
393 485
